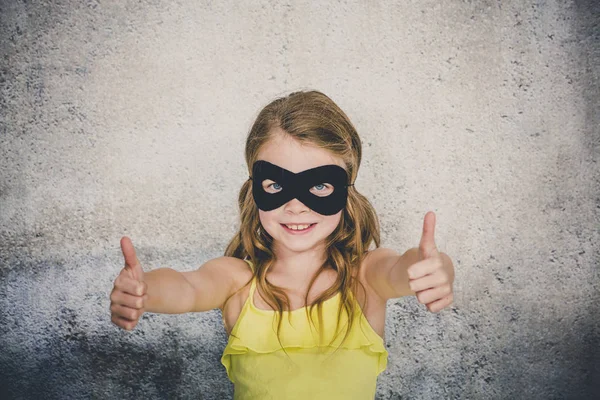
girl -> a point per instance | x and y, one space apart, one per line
303 298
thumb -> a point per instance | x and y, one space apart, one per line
427 247
132 264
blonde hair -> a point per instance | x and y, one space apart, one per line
313 118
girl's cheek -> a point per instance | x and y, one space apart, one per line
336 219
263 217
267 220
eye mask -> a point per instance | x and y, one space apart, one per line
297 186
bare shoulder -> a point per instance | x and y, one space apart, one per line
216 280
240 273
236 270
376 269
375 307
368 267
378 253
231 265
374 258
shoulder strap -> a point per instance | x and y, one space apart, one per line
250 264
253 283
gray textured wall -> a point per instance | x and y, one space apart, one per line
129 118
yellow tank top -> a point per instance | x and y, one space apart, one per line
260 369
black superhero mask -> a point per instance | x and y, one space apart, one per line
298 186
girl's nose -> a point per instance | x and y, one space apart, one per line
295 206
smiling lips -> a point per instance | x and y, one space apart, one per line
298 227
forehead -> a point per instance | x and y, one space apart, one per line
288 153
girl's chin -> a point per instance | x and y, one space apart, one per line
297 245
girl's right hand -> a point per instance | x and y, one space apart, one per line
128 297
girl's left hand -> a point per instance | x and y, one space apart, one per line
432 276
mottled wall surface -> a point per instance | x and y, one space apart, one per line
129 118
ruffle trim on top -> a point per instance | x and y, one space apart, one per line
256 332
237 346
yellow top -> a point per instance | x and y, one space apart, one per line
260 369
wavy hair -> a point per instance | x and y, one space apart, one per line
311 118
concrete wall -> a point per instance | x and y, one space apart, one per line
129 118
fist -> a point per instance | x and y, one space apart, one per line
128 297
431 278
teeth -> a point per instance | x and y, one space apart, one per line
297 227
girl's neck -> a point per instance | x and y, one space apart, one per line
297 267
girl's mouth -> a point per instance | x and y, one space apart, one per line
298 229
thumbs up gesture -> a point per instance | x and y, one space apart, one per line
432 276
128 297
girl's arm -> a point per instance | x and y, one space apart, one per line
207 288
215 281
421 271
168 291
385 271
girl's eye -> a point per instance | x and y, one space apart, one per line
323 189
273 187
